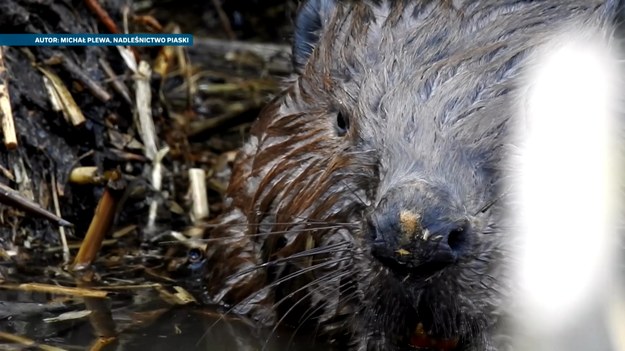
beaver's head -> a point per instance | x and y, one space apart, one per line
414 116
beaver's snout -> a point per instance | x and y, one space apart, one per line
417 232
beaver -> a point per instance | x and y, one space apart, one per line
369 201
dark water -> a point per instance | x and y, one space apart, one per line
142 325
198 332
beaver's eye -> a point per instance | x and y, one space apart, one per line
342 123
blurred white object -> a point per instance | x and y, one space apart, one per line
568 198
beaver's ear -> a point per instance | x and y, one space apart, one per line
309 23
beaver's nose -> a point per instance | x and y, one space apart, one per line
408 242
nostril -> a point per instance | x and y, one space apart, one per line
456 238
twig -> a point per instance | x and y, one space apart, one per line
144 109
8 125
56 289
55 99
23 181
90 175
149 21
181 297
197 181
225 22
7 173
101 343
70 108
164 60
67 316
277 57
127 156
99 227
157 178
107 21
186 70
57 208
191 238
84 175
102 15
101 318
115 82
131 287
263 85
100 224
235 110
11 197
27 342
77 246
128 58
95 88
125 15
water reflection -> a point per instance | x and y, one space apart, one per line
185 329
147 325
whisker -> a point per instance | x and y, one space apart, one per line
302 218
316 281
269 286
315 251
298 230
306 221
314 309
305 270
302 254
493 202
281 232
326 277
360 200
